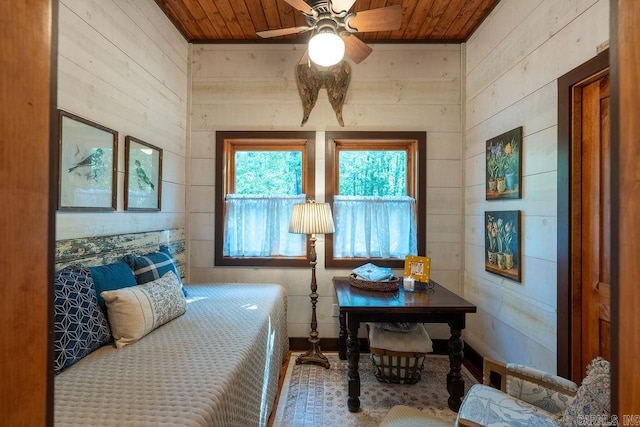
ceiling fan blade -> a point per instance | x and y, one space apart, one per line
301 5
341 5
355 48
382 19
282 32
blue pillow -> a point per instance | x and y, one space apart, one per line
111 277
153 266
79 325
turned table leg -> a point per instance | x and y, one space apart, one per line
342 338
353 358
455 382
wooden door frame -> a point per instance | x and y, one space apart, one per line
566 156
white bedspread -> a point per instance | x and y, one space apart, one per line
217 365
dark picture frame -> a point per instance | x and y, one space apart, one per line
142 176
504 166
502 243
87 164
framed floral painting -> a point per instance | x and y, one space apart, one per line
502 244
143 176
504 166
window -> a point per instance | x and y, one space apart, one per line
259 176
376 183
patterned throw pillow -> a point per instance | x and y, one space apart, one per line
135 311
80 326
593 399
153 266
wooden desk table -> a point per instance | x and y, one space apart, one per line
427 304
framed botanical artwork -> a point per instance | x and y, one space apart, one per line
502 234
87 175
142 176
418 267
504 166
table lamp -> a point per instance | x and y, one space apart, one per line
312 218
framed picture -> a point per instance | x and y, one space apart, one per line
142 176
418 267
502 244
87 175
504 166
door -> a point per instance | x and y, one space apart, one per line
591 230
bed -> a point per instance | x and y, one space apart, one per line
216 365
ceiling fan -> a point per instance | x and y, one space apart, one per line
334 27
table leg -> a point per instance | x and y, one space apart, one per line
353 376
342 338
455 382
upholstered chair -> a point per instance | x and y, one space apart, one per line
530 396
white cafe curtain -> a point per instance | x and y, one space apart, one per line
258 226
374 227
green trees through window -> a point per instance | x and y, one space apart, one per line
268 172
372 173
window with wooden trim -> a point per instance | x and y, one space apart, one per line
259 176
376 184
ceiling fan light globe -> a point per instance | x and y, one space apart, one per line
326 49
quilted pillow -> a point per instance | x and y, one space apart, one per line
135 311
593 398
111 277
153 266
79 326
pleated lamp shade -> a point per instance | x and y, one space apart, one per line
311 218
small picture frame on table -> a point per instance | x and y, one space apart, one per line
87 174
417 267
143 176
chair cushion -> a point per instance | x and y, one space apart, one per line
543 397
593 398
404 416
488 406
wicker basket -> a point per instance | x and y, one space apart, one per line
395 366
391 285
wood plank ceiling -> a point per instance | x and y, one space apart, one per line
237 21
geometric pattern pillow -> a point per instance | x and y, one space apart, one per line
80 326
153 266
135 311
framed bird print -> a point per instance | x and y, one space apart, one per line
87 175
142 176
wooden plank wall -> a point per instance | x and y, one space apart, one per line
26 219
513 61
398 87
123 65
625 209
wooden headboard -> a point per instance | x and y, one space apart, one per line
100 250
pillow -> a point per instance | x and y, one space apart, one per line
79 325
153 266
593 399
135 311
111 277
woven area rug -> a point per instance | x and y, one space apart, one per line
314 396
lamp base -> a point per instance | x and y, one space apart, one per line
313 355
